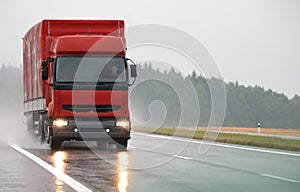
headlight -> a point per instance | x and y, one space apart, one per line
124 124
60 123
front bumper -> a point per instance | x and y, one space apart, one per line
90 130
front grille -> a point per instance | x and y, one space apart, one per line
88 108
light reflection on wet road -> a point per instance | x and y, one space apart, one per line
85 167
59 164
223 169
123 173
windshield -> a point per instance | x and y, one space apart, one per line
90 69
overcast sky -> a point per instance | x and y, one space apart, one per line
252 41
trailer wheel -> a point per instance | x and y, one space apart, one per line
30 131
121 144
42 136
55 143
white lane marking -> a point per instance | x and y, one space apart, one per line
280 178
182 157
62 176
221 145
176 156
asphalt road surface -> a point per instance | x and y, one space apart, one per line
151 163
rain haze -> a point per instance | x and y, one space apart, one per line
213 103
253 42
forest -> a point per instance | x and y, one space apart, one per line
245 105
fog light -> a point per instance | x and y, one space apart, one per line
76 130
60 123
107 130
123 124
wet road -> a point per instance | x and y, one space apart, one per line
152 163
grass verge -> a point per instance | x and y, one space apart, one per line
242 139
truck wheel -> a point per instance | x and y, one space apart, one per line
30 131
42 136
55 143
121 144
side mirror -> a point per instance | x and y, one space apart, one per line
133 72
45 69
44 63
44 73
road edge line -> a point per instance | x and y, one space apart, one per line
220 144
279 178
62 176
182 157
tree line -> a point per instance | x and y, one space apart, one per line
245 105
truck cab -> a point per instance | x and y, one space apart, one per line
83 82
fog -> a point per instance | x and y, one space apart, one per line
13 122
254 42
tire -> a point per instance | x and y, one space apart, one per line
55 143
42 136
30 131
122 144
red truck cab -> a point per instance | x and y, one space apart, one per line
76 81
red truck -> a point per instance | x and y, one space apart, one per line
76 78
